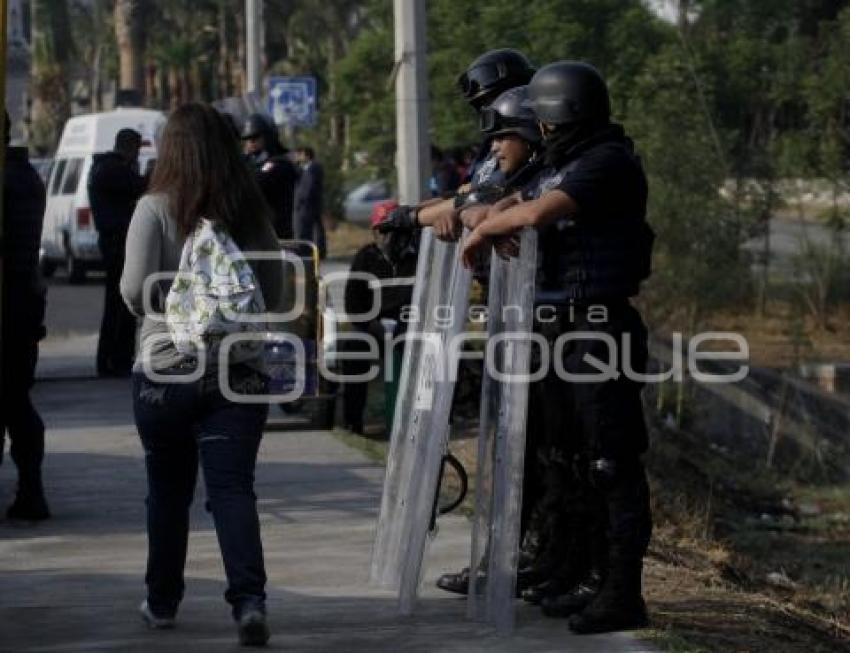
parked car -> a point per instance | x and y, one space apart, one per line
360 201
69 237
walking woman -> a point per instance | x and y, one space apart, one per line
200 174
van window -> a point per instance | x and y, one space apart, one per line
72 176
58 172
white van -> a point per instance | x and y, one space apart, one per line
69 237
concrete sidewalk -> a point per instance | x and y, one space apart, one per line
75 582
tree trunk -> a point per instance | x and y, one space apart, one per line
335 126
51 50
96 95
225 87
239 67
174 88
130 36
151 87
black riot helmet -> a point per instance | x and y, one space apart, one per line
492 73
257 125
509 115
569 92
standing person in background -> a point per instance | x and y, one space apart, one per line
275 173
200 174
391 256
308 200
444 175
23 327
115 186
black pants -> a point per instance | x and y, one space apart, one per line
116 344
591 519
355 393
18 416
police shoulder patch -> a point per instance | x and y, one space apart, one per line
549 182
483 174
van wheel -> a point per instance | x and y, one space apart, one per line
76 269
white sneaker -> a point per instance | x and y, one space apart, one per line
154 622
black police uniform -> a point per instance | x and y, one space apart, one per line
589 265
23 327
114 186
399 262
277 176
275 173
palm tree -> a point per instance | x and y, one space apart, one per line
130 16
51 53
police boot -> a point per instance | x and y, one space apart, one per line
534 566
558 569
618 606
29 504
562 574
624 496
571 600
456 583
533 543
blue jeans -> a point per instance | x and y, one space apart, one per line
180 424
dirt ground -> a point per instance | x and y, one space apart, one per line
752 564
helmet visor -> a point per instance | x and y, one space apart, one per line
480 78
491 121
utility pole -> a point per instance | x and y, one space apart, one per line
411 90
253 46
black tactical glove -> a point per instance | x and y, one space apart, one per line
488 194
401 218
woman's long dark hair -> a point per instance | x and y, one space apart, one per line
201 170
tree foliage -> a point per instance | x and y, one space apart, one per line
740 93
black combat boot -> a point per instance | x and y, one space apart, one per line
457 583
573 599
619 604
529 569
28 454
29 504
560 573
624 493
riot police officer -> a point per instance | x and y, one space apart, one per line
556 542
594 251
485 79
275 173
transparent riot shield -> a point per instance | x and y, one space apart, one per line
501 446
420 430
385 570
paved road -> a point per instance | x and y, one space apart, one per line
72 585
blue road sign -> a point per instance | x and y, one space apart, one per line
292 101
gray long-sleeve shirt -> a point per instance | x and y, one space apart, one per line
154 244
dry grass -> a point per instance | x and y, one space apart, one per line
716 543
345 238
